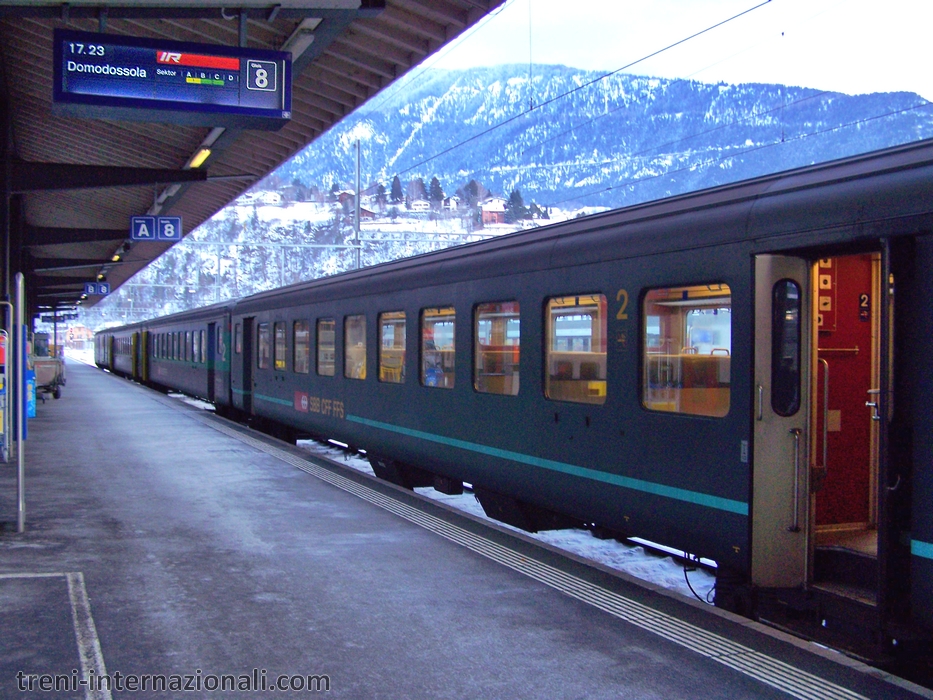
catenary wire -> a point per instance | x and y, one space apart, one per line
750 149
578 88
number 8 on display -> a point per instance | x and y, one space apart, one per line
260 75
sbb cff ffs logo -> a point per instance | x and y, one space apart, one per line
261 75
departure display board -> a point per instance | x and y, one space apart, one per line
118 77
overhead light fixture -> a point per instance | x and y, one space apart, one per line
302 38
197 160
115 258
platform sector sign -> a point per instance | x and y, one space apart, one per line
118 77
155 228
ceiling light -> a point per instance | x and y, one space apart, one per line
197 160
302 38
115 258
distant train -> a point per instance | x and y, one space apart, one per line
743 373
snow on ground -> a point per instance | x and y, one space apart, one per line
83 356
631 559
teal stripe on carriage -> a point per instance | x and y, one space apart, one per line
695 497
273 399
921 549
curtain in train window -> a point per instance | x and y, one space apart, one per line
392 347
263 346
576 349
238 338
187 346
437 347
688 350
496 350
195 347
354 347
301 362
326 347
281 346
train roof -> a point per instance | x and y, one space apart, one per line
212 311
842 194
839 195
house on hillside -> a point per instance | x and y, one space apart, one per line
420 206
494 211
451 203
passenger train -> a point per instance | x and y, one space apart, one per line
743 373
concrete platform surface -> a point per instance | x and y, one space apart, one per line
161 542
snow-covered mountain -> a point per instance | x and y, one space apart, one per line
568 140
569 137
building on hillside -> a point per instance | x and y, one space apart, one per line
494 211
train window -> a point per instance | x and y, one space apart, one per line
437 347
392 347
301 341
203 346
785 347
264 345
326 347
195 347
576 349
354 347
687 350
496 349
188 346
238 338
174 345
281 346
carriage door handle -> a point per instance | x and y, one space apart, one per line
874 404
796 526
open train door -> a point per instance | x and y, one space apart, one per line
822 503
780 476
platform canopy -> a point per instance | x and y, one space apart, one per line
72 183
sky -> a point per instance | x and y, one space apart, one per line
850 46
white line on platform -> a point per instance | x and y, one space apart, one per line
92 659
89 652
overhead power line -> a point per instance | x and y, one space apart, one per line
581 87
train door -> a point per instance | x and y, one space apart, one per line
211 360
144 357
821 406
248 365
852 315
780 476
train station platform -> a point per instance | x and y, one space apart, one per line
166 545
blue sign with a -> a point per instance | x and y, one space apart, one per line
169 228
155 228
142 228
